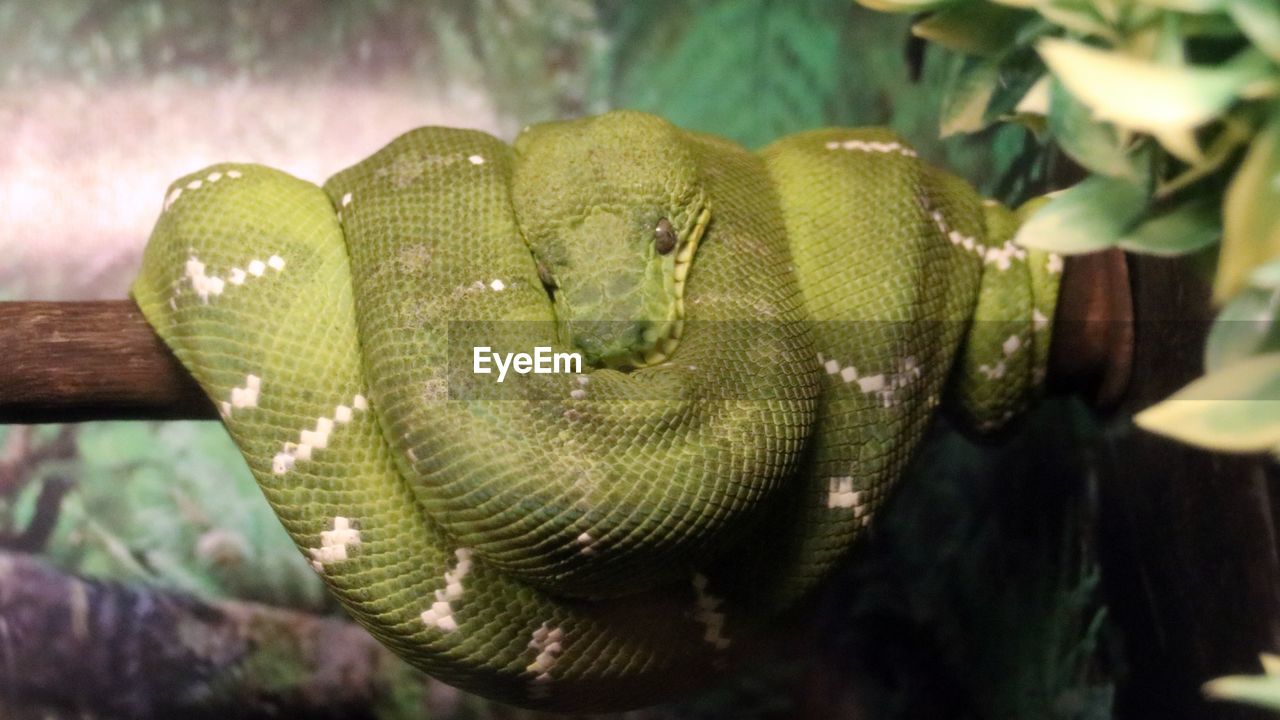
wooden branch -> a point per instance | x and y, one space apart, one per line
72 361
1093 335
104 649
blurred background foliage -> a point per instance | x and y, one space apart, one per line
977 597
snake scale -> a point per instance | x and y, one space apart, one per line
763 338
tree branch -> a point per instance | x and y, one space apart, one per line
108 649
72 361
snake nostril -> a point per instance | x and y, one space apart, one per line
548 282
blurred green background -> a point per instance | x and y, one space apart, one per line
976 598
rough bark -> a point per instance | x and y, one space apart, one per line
101 649
71 361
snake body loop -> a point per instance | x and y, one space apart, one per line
764 337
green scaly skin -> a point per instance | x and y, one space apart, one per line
606 539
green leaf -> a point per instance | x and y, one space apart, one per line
1096 145
1036 101
1233 133
973 28
1231 410
1251 213
1259 20
1189 6
1079 16
1092 215
904 6
1192 226
1017 73
1266 277
967 95
1245 327
1260 690
1217 26
1148 96
982 90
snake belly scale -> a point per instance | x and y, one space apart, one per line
765 337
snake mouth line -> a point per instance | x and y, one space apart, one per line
663 347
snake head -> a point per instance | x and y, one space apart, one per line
612 208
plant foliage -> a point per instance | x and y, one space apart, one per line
1173 107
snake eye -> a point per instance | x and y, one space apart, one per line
664 237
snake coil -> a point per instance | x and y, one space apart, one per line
763 338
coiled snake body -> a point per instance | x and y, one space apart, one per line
763 335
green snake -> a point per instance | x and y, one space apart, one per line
761 337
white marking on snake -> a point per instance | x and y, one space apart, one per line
872 146
882 385
476 159
206 285
840 494
993 372
245 396
548 642
316 438
993 424
346 199
707 612
1009 347
196 184
172 197
586 544
495 285
334 543
1002 257
872 384
1054 264
441 613
580 392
